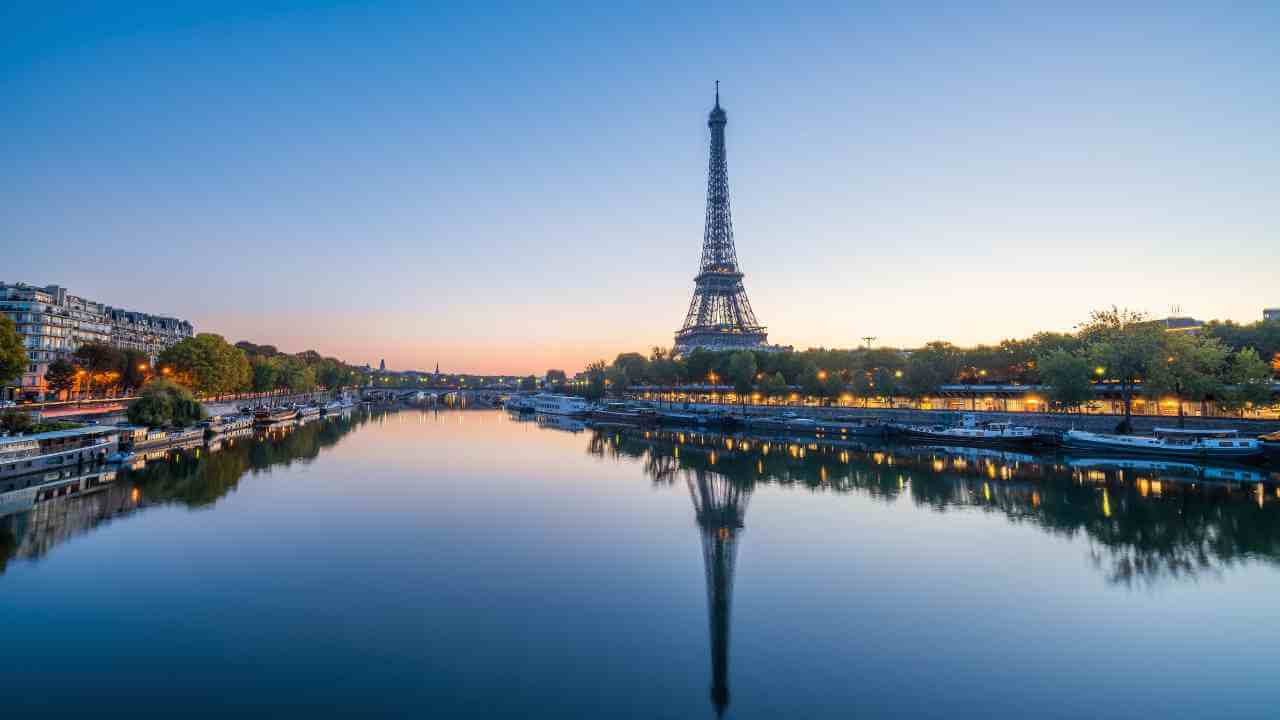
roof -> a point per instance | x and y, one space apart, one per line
73 432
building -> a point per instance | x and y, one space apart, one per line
1271 314
151 334
1182 324
720 315
54 323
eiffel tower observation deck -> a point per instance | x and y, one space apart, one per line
720 315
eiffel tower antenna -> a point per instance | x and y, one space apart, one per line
720 315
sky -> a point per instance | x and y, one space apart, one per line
509 188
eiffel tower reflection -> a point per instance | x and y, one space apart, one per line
719 505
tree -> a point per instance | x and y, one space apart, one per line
135 368
931 367
295 376
14 420
61 376
163 403
775 385
556 379
13 355
101 363
742 373
1123 343
595 380
207 364
529 383
264 373
615 379
1068 378
1191 370
1250 381
634 365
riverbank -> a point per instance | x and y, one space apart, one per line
1044 421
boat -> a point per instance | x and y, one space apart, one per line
119 457
307 409
226 423
1167 442
970 431
616 412
21 454
270 416
1271 445
1172 468
810 426
549 404
519 403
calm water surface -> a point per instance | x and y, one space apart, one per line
469 564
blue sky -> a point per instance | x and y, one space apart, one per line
510 188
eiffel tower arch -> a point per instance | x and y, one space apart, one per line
720 315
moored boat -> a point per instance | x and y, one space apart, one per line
968 432
1167 442
622 413
269 416
549 404
811 426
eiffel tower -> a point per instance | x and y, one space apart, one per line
720 315
719 506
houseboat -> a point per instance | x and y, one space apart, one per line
970 431
810 426
519 403
22 454
227 423
270 416
1167 442
618 412
548 404
307 410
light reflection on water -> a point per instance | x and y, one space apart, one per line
478 564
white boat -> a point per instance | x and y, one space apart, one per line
1168 442
548 404
305 410
969 432
520 403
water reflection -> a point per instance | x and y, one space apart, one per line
40 511
1146 521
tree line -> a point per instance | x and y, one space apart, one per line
1229 364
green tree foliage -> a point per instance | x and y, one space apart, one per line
1249 378
931 367
742 373
596 372
60 376
264 373
1068 377
207 364
615 379
295 376
775 386
13 356
102 364
1124 343
135 368
164 403
1263 336
1190 368
634 365
14 420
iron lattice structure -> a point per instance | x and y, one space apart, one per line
720 315
719 506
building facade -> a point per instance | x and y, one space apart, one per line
53 323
